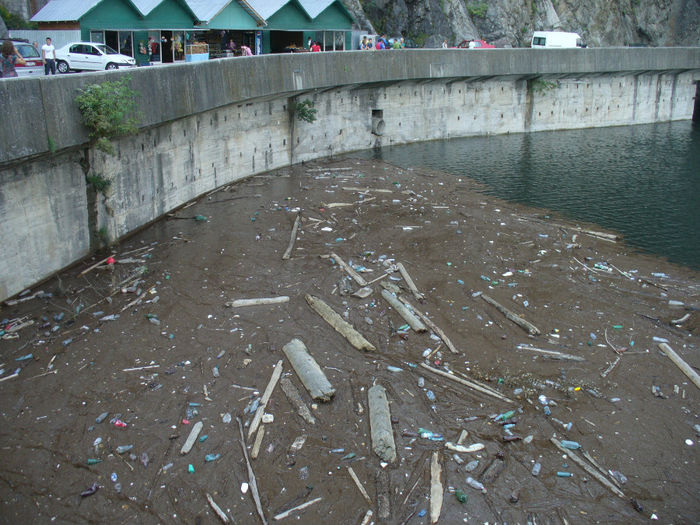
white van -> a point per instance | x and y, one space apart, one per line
551 39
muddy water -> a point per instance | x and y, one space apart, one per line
454 242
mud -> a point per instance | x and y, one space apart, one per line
454 242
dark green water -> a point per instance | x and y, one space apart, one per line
642 181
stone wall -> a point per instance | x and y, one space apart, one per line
210 125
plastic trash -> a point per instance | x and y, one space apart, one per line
121 449
660 339
145 459
394 368
476 484
226 418
215 371
572 445
203 438
564 474
619 476
421 382
211 457
93 461
90 490
428 434
190 468
536 468
113 477
430 395
471 466
461 496
101 417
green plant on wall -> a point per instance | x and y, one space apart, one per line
109 110
537 85
477 9
305 110
98 182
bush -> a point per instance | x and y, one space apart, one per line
478 10
305 111
109 110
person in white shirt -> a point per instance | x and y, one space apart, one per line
48 55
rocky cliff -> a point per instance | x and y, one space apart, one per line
511 22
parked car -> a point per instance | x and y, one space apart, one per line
474 44
33 66
82 56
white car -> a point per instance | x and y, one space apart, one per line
81 56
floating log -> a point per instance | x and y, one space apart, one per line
308 370
252 482
276 374
435 328
471 384
341 326
411 285
383 494
352 273
297 508
259 301
295 399
360 487
220 513
522 323
685 368
414 322
288 251
189 443
380 424
258 442
552 354
436 489
368 517
585 466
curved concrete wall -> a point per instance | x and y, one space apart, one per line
208 124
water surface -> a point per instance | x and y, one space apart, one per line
642 181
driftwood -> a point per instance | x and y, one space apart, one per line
257 443
380 424
86 270
414 322
251 476
551 353
288 251
352 273
368 517
436 489
360 487
471 384
276 374
189 443
287 513
435 328
308 370
610 368
256 302
220 513
685 368
411 285
341 326
585 466
522 323
367 190
295 399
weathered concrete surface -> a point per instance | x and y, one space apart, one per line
177 91
209 124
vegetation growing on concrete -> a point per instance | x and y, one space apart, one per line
109 110
539 86
305 110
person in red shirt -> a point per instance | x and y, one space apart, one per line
316 47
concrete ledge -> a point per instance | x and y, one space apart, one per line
44 108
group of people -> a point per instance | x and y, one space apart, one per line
10 57
382 43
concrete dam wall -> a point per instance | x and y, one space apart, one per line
208 124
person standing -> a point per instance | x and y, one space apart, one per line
444 44
48 55
316 47
9 57
245 51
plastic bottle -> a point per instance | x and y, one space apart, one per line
124 448
461 496
211 457
536 468
475 484
572 445
421 382
101 417
564 474
430 395
471 465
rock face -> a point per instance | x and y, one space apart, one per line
512 22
